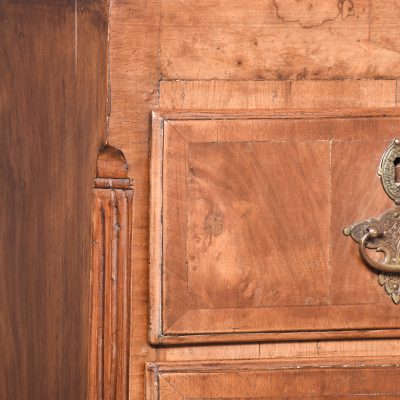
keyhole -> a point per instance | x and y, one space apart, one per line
397 171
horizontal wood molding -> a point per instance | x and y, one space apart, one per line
110 278
287 113
278 95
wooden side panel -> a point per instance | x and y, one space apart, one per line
320 379
110 279
279 39
53 108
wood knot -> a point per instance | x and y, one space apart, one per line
214 223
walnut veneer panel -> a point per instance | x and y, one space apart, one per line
279 39
247 225
53 102
250 243
347 379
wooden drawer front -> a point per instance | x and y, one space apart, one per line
247 220
344 379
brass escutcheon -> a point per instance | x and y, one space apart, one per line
383 234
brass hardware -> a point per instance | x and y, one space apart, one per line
387 171
383 234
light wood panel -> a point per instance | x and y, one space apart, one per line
236 219
266 95
53 68
292 379
360 187
333 349
133 63
262 184
280 40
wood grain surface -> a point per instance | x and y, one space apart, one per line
279 40
329 52
197 61
280 379
53 68
221 95
133 52
252 220
110 278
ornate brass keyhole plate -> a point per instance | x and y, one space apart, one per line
383 234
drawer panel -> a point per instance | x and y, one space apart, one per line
342 379
247 217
